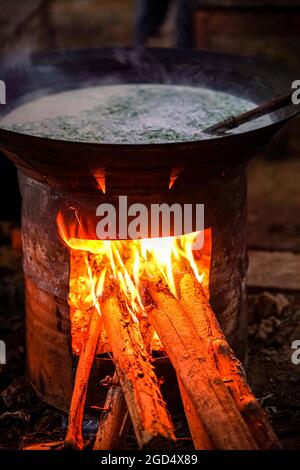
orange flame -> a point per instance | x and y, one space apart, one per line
132 261
100 178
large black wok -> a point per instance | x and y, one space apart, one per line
73 165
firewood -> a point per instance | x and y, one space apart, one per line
252 412
206 325
114 421
55 445
151 422
74 436
211 399
199 435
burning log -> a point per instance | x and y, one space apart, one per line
211 399
114 421
147 409
205 323
214 393
74 436
253 414
198 432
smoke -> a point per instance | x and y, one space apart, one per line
31 75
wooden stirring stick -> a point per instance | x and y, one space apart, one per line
262 110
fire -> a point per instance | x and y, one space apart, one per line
130 263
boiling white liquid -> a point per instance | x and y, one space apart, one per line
128 114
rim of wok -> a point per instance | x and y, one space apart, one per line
52 72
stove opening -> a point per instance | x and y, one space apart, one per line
129 264
134 299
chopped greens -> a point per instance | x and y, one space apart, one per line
126 114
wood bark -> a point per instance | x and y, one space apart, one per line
198 432
152 424
114 421
211 399
74 436
206 325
